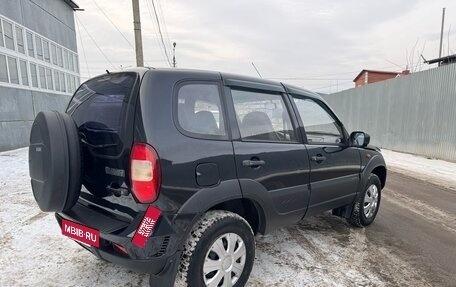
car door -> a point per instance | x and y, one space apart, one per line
271 162
334 164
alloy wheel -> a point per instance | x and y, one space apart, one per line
370 201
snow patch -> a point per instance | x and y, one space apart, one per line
435 171
319 251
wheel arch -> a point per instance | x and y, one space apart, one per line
377 166
249 209
227 196
380 171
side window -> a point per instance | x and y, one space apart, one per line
262 116
20 40
59 57
9 37
320 126
47 56
3 69
199 110
34 75
2 43
39 48
50 85
12 66
24 74
62 82
54 54
42 77
30 45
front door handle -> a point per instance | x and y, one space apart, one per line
253 163
318 158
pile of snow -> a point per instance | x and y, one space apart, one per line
435 171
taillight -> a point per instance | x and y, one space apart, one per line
145 173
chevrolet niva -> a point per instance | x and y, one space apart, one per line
173 172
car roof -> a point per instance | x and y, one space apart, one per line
232 80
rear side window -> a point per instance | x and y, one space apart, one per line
262 117
100 104
199 110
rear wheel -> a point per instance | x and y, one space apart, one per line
367 203
220 251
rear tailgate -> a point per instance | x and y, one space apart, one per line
103 109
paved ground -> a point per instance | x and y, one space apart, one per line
419 219
412 242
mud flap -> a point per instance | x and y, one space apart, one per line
167 276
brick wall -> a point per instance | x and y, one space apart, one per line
373 77
377 77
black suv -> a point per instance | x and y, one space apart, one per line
172 172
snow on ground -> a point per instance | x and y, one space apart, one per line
432 170
320 251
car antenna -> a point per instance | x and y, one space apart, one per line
107 71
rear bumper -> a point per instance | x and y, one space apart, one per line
160 255
150 266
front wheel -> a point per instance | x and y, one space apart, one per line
367 203
220 251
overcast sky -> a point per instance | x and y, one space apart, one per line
322 43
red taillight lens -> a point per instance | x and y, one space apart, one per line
145 173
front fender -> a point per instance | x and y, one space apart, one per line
370 160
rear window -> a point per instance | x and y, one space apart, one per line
100 103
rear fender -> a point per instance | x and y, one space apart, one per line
205 198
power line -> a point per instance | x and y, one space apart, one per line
83 50
115 26
162 16
160 32
93 40
325 75
332 85
161 48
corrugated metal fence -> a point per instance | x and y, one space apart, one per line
414 114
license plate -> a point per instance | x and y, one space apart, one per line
81 233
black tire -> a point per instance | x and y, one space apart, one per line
206 231
55 161
357 217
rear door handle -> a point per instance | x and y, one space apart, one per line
253 163
318 158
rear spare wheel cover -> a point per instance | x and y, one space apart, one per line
54 161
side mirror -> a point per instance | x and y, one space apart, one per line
359 139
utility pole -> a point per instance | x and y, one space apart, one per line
441 33
174 55
138 37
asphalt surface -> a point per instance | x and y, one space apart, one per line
411 243
417 219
